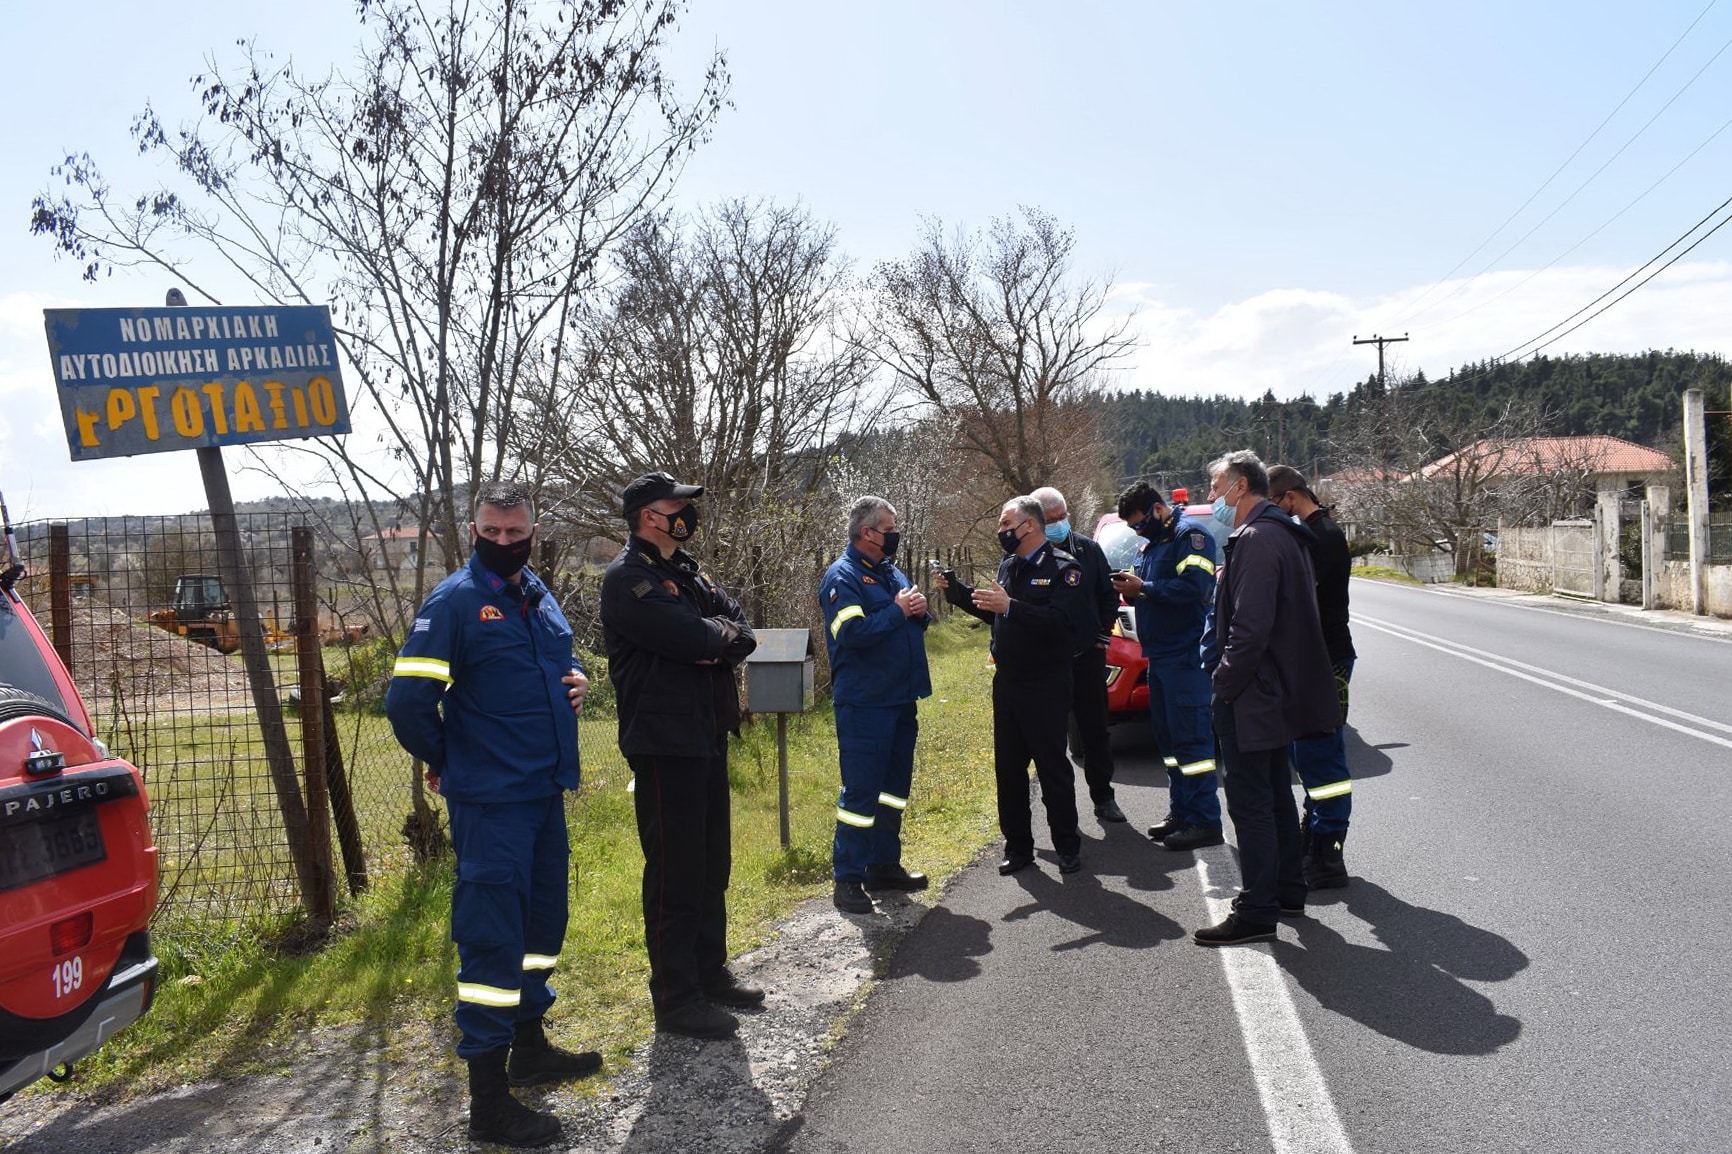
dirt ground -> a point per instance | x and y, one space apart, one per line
352 1091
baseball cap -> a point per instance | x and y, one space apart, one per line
652 487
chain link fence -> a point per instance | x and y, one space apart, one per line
259 793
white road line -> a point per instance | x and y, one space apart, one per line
1611 617
1296 1100
1630 705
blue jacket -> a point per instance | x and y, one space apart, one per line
476 690
877 655
1177 566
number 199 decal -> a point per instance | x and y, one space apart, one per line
68 976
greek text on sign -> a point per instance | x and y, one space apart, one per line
154 379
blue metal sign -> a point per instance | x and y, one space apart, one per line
155 379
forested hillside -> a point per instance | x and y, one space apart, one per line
1635 397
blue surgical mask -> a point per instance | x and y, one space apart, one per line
1222 511
1058 531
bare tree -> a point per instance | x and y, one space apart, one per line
1428 478
994 337
452 198
724 357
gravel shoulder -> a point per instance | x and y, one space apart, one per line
353 1091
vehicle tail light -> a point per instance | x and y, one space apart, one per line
69 934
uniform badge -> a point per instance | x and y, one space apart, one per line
491 613
868 580
671 588
641 588
1073 576
1041 581
422 625
833 592
1197 540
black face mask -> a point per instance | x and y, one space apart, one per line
683 524
505 560
1151 524
889 542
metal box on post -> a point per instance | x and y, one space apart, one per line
780 672
779 676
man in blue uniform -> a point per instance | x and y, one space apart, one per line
674 639
485 694
1171 591
1321 760
1089 677
1040 620
875 624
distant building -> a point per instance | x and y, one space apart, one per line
399 548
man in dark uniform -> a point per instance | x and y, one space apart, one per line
1321 760
1089 677
1040 619
485 694
1170 592
875 629
1269 671
673 642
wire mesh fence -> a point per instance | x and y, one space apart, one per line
260 772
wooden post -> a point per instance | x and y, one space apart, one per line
60 593
312 684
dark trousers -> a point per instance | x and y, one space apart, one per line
683 826
508 914
1321 763
1265 823
876 745
1028 724
1088 706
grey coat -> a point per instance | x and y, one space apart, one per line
1274 667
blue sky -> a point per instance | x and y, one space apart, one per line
1262 181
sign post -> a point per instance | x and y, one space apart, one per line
153 380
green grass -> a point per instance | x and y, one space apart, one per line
1385 573
230 988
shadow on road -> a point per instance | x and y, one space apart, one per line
1414 989
1366 760
961 939
1110 918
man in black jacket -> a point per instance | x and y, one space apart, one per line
1271 682
1321 761
1089 670
674 639
1040 619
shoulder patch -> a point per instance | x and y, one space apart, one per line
422 625
642 588
833 592
1073 576
491 613
1199 540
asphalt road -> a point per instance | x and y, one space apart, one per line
1531 956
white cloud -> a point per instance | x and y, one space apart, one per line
1295 341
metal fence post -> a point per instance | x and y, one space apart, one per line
60 592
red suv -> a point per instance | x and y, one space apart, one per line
77 867
1127 668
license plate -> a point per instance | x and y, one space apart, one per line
31 851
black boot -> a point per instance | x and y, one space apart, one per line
1324 868
535 1060
495 1116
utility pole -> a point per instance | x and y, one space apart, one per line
1379 342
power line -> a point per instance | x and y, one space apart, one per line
1627 279
1570 159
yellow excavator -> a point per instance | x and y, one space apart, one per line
201 613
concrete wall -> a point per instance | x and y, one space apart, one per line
1432 568
1524 559
1672 587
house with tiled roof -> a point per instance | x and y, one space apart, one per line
1613 460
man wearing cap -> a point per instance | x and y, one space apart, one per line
674 639
1321 760
485 694
875 629
1088 708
